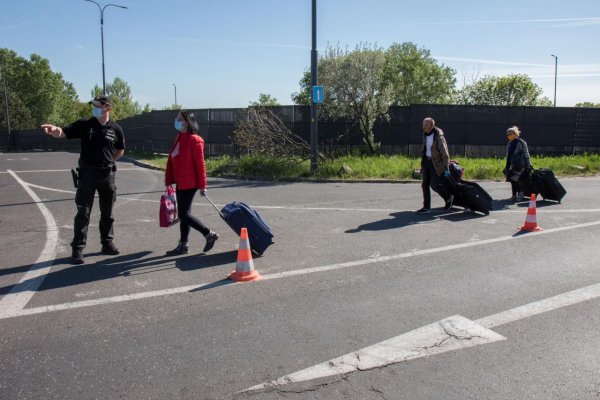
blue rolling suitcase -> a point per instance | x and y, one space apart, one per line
239 215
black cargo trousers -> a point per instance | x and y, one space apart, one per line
90 181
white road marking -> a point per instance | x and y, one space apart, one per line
97 302
287 274
550 304
23 291
452 333
50 189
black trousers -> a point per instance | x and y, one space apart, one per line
187 220
433 181
90 181
515 187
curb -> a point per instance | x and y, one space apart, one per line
139 163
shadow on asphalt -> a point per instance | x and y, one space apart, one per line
119 266
397 220
406 218
506 204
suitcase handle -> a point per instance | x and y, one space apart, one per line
216 208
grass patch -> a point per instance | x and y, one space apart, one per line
157 160
371 167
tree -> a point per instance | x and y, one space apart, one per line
511 90
354 88
588 104
19 115
415 77
302 97
265 100
172 107
45 95
120 93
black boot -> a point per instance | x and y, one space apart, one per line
182 248
211 238
77 256
110 249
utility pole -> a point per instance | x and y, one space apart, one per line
6 102
314 122
175 87
555 75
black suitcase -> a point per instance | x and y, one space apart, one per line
472 196
528 185
547 185
239 215
443 186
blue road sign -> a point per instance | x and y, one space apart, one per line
318 94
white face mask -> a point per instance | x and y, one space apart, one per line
96 111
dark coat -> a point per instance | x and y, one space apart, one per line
517 159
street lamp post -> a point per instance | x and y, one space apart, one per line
175 87
555 75
102 37
314 122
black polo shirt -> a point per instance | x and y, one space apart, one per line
98 142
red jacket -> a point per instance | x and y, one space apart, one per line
185 165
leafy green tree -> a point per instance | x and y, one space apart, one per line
354 88
511 90
302 98
18 113
123 104
415 77
265 100
45 95
588 104
67 107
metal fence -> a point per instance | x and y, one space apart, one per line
471 131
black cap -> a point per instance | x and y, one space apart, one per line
101 100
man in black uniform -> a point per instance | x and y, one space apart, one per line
102 143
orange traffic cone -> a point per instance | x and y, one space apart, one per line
244 267
530 224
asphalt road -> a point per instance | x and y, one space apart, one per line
450 305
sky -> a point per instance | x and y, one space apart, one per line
224 53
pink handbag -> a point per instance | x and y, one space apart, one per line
168 208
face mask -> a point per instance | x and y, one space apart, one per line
96 112
179 125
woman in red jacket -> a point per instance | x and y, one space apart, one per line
186 168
